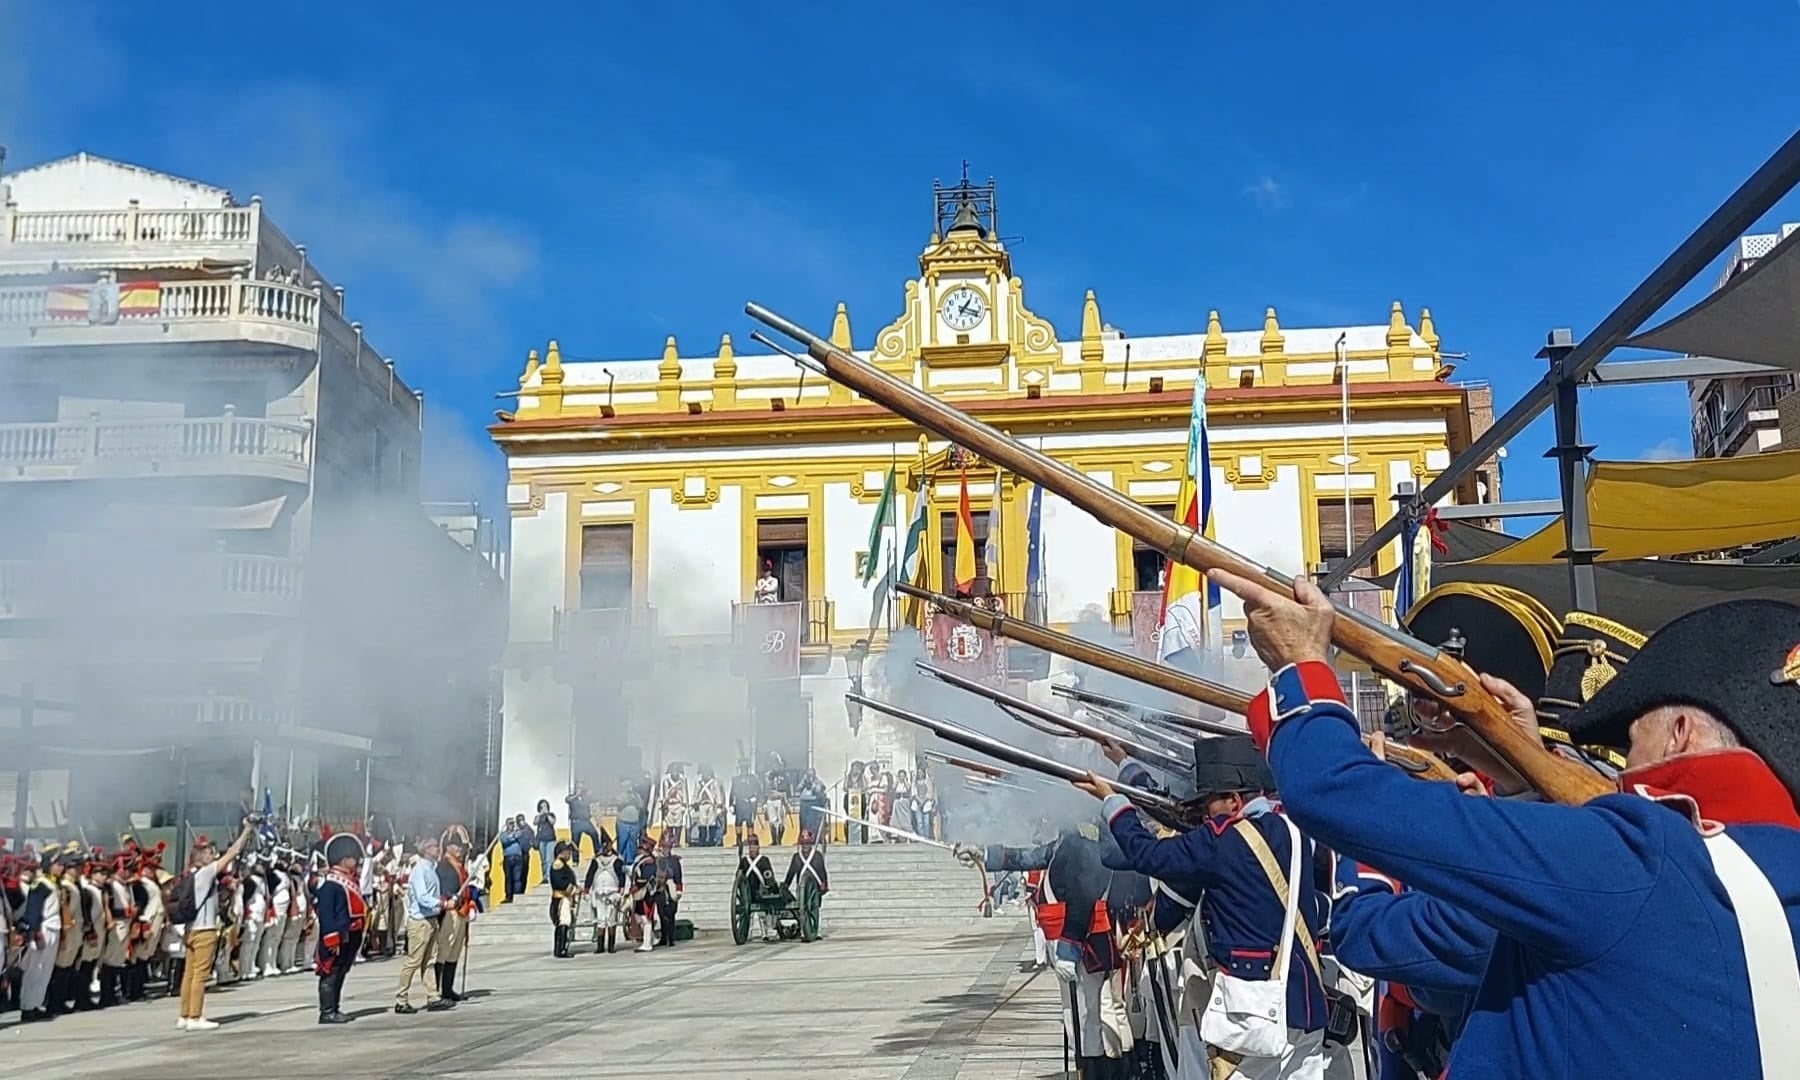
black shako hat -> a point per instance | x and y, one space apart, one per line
1740 661
1225 764
1590 653
342 846
1494 629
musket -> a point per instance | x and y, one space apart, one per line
1135 668
1152 714
1422 668
992 772
1417 763
1162 737
1021 708
1159 806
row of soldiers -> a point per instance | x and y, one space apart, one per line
643 898
1316 900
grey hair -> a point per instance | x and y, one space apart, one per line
1713 733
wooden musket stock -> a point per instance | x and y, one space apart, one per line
1420 667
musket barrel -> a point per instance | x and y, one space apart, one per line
1150 713
1405 659
1136 668
1161 805
1144 752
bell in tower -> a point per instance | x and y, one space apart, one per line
966 207
966 221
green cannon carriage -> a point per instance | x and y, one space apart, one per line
794 917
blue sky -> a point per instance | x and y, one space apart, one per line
483 180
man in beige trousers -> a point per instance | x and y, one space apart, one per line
425 906
202 937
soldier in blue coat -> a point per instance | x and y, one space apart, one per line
343 916
1647 933
1241 910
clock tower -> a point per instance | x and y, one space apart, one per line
964 324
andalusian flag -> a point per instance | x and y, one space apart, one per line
965 540
884 520
1192 606
914 567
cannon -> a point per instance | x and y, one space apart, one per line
793 916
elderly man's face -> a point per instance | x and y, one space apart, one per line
1663 733
429 849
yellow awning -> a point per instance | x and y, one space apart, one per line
1647 509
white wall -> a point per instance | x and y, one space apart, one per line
86 183
535 721
696 562
1080 557
1261 525
847 524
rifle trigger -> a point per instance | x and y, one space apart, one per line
1430 679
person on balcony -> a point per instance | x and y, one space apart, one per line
768 587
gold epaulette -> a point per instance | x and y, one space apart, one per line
1599 753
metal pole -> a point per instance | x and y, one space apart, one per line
1343 358
368 771
1572 472
1767 186
181 806
22 794
287 802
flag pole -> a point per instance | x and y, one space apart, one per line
893 537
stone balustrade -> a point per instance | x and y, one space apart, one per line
225 583
217 225
44 305
78 449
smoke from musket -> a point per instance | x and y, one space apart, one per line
194 603
987 813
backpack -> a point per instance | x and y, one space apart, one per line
179 902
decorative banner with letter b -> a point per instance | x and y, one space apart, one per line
768 640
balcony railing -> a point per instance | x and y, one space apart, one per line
219 584
217 225
1730 434
159 302
169 714
80 449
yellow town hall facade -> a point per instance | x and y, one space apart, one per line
654 501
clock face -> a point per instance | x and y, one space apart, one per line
962 309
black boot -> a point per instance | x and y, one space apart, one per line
612 940
449 983
561 947
329 993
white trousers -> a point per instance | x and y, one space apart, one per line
309 944
1040 945
1104 1028
271 944
1304 1059
37 962
249 948
290 942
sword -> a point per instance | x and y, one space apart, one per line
889 829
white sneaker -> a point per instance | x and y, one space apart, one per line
181 1024
200 1023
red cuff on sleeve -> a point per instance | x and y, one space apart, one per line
1260 720
330 941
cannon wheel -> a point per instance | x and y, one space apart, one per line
810 902
740 910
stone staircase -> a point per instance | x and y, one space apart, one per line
874 887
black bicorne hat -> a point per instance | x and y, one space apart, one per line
1496 630
1225 764
342 846
1590 653
1740 661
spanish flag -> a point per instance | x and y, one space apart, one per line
965 540
1192 605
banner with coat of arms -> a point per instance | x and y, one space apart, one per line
967 650
768 640
1146 622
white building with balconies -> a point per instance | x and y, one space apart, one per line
1738 415
187 413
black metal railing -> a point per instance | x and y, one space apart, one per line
1731 431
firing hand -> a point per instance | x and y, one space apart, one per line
1459 742
1283 629
1113 751
1094 786
966 855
